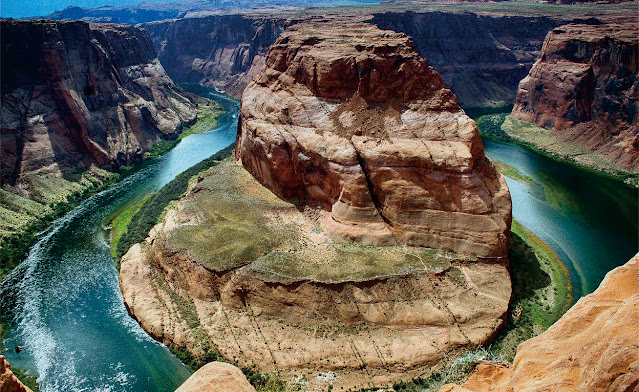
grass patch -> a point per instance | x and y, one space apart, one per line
120 223
152 209
50 204
503 127
511 172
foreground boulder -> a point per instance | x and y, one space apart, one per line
217 377
593 347
8 381
75 94
353 120
584 86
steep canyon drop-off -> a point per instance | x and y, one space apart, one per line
342 118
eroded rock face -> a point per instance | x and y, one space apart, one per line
74 94
236 270
481 58
584 85
8 381
224 52
350 117
217 377
593 347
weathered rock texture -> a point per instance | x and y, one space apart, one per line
350 117
224 52
585 87
217 377
481 58
593 347
74 94
234 269
8 381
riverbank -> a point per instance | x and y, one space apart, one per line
501 126
22 218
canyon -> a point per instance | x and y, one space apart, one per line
320 268
584 88
78 99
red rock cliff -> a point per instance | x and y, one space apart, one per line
350 117
584 86
74 94
593 347
8 381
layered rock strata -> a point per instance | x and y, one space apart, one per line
593 347
236 270
224 52
584 86
481 58
8 381
352 119
75 94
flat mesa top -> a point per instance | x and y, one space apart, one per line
627 32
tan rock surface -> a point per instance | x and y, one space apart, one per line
585 86
8 381
593 347
351 118
233 268
217 377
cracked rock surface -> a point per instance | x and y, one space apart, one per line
351 118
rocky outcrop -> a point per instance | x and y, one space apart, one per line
585 86
224 52
236 270
75 94
352 119
217 377
593 347
8 381
481 58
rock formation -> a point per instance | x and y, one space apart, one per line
350 122
236 270
217 377
584 86
224 52
8 381
351 118
74 94
481 58
593 347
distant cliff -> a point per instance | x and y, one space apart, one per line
481 58
584 86
224 52
75 94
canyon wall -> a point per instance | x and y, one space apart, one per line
224 52
481 58
584 86
351 118
593 347
75 94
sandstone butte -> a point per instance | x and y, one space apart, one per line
76 94
584 86
8 381
217 377
354 120
392 256
593 347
